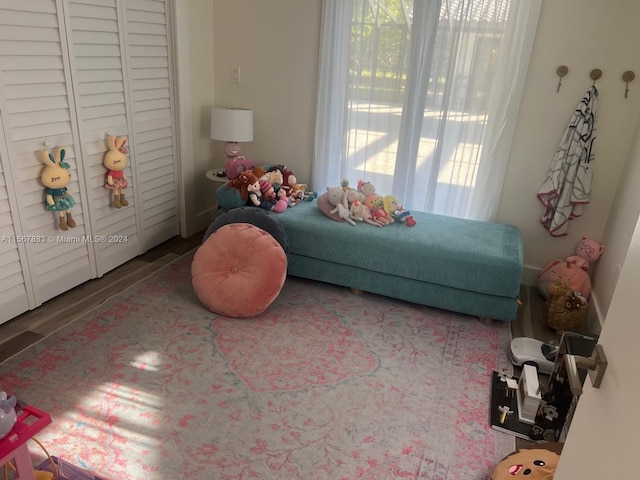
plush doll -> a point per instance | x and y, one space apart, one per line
376 206
55 176
116 160
573 270
294 190
365 189
337 197
351 194
375 202
258 171
275 176
241 182
268 192
254 193
394 208
360 212
298 192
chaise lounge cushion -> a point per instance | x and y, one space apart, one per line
463 265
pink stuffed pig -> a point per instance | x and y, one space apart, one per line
573 270
587 251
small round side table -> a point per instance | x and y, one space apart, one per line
213 176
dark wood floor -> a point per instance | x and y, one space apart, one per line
32 326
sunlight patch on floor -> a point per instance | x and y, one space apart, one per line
147 361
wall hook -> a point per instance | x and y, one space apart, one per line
628 76
561 71
595 74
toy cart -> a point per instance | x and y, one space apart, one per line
14 446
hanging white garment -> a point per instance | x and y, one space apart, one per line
567 187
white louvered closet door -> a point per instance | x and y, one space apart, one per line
120 64
36 103
149 58
14 290
99 80
72 71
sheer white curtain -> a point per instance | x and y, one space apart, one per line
421 98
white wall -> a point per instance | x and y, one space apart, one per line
583 35
193 71
603 438
275 43
619 229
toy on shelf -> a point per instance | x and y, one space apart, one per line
56 176
116 160
573 270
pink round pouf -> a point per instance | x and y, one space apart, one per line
239 270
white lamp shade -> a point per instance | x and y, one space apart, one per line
232 124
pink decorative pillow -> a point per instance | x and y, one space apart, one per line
239 270
325 207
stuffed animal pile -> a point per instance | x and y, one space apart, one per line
364 204
275 189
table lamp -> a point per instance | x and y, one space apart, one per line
232 125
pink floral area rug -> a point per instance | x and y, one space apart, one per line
324 385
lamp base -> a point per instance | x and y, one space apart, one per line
232 149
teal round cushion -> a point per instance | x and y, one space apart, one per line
254 216
229 197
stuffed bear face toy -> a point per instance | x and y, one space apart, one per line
529 464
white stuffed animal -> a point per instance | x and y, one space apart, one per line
338 198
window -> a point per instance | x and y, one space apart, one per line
420 98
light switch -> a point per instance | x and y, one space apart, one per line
235 74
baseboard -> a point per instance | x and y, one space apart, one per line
594 315
529 276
